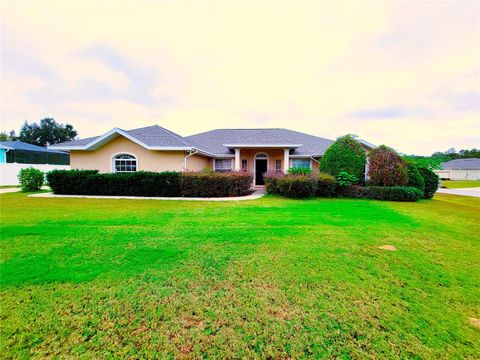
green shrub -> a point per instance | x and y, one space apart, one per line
415 179
296 186
270 179
326 185
31 179
385 193
345 154
90 182
299 170
345 179
215 184
431 182
386 168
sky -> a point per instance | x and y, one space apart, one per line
404 74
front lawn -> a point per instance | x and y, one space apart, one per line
457 184
264 278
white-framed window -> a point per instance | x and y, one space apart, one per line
124 163
222 165
244 164
305 163
278 165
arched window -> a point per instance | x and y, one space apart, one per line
124 163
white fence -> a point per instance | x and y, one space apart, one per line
9 171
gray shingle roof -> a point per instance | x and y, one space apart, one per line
20 145
213 141
462 164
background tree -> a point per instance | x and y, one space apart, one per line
4 136
344 155
387 168
47 133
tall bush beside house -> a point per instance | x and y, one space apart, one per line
415 179
345 154
386 168
431 182
31 179
296 186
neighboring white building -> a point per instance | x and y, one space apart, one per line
460 169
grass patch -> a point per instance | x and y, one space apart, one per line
264 278
457 184
9 186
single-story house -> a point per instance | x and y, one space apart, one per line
154 148
460 169
23 153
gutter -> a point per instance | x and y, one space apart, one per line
191 153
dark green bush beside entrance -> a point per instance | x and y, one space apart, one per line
431 182
296 186
213 184
142 183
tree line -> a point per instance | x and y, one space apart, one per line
47 132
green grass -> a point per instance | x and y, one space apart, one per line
267 278
9 186
456 184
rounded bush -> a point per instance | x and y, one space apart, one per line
415 179
386 168
296 186
326 185
30 179
431 182
270 179
345 154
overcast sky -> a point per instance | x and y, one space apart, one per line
406 74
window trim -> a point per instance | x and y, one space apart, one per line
215 164
278 161
305 158
112 162
246 165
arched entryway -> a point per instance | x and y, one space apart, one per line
260 168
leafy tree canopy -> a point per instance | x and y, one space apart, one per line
48 132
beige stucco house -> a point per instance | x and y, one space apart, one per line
154 148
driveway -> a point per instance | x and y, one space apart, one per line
475 192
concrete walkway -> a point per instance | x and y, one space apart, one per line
254 196
9 190
475 192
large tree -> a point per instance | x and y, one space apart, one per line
345 154
48 132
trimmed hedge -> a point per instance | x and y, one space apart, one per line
385 193
296 186
142 183
91 182
270 179
326 185
431 182
214 184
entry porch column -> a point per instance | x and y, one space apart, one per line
286 160
237 160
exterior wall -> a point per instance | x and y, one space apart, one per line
273 154
9 171
147 160
459 174
3 157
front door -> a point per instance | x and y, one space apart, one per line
260 170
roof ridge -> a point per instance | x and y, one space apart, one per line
175 135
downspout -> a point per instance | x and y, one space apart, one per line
311 157
190 153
